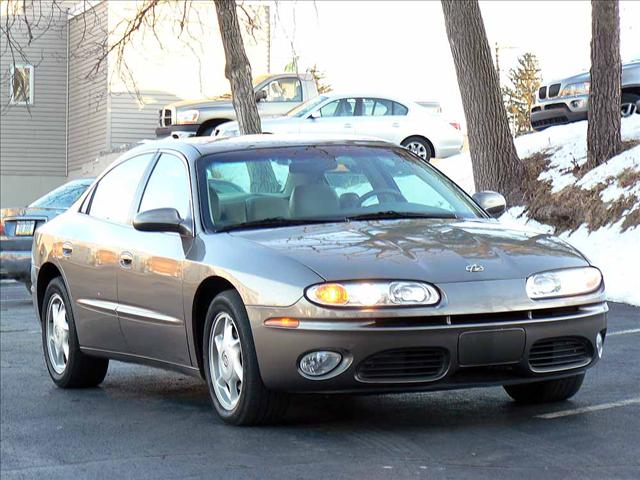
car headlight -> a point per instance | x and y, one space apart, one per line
373 294
573 89
564 283
187 116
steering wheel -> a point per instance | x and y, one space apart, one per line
375 193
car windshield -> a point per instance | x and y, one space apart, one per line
307 107
282 186
63 196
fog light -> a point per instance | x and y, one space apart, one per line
319 363
577 103
599 344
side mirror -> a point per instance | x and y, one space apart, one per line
492 202
161 220
314 115
261 95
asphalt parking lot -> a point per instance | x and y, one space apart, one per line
147 423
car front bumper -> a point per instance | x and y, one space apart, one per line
479 350
182 130
559 111
15 258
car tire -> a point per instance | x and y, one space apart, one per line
420 146
67 365
630 99
254 404
546 391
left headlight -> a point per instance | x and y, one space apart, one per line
187 116
573 89
373 294
564 283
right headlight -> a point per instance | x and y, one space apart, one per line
564 283
573 89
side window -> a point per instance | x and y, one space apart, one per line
21 85
284 90
115 192
344 107
399 109
168 187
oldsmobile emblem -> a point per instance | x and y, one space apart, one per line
474 268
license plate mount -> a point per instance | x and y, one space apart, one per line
491 347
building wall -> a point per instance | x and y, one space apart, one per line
32 138
88 97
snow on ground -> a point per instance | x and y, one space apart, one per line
615 252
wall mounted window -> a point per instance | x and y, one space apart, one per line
21 84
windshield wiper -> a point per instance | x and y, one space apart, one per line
393 214
277 222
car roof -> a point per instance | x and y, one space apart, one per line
209 145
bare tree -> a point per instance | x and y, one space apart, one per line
603 131
238 69
495 162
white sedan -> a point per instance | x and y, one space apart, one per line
402 122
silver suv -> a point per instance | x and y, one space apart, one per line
567 100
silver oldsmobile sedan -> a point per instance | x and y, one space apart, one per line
269 265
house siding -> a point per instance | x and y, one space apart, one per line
88 95
32 137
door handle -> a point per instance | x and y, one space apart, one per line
67 249
395 124
347 125
126 260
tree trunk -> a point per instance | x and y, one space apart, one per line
603 130
495 162
238 69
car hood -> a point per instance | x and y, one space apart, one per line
431 250
223 101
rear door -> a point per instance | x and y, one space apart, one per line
90 254
381 118
150 269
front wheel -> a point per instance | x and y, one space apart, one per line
67 365
546 391
231 366
420 146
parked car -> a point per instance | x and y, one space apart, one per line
333 266
388 118
17 226
567 100
275 94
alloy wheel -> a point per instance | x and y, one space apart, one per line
57 334
225 361
418 148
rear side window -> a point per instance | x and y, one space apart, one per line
380 107
168 187
114 194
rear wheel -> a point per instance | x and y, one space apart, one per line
67 365
546 391
231 366
420 146
629 104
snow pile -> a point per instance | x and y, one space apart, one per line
615 252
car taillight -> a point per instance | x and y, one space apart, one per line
2 227
455 125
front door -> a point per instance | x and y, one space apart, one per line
282 95
150 270
335 117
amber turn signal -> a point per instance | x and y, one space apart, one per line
330 294
282 322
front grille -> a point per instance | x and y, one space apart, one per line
554 90
404 365
556 106
165 117
559 353
542 93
